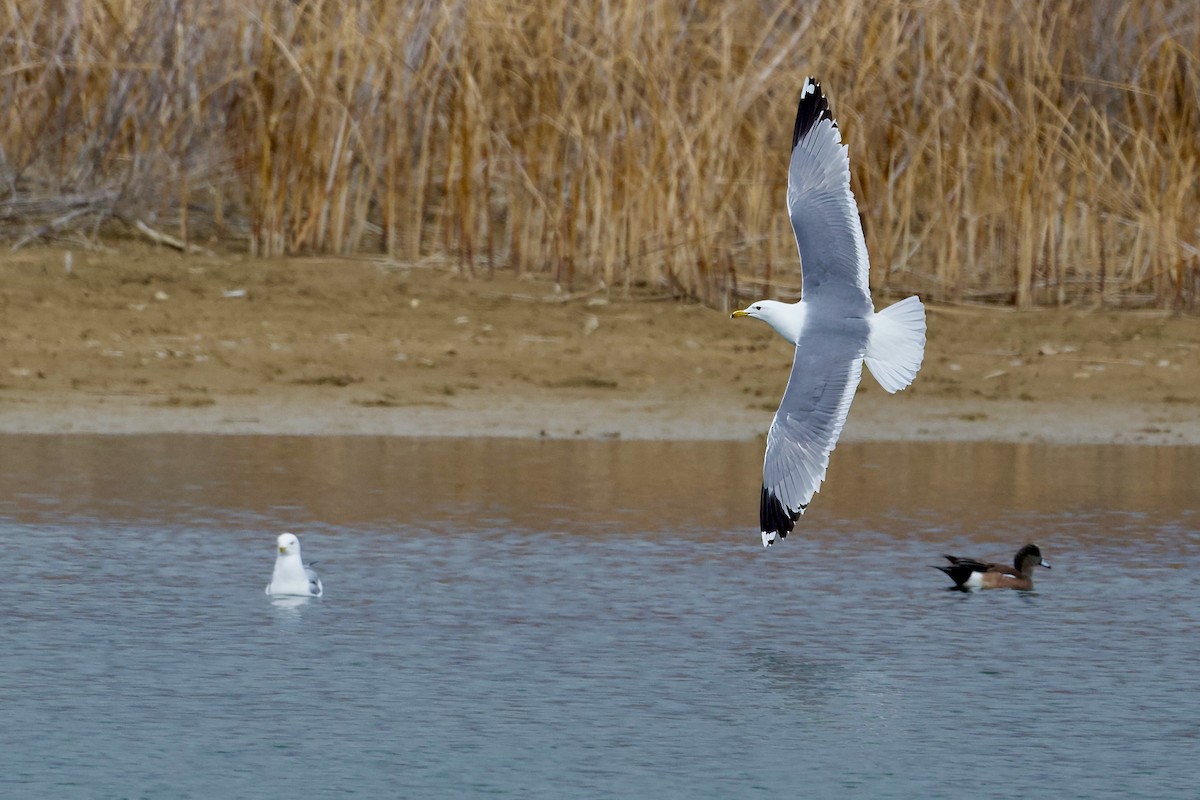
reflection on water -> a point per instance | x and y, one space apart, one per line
579 487
548 619
290 602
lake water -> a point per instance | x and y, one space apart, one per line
591 619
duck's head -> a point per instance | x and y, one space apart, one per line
1029 556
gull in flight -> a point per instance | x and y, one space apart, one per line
292 576
834 327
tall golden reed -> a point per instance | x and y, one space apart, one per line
1027 152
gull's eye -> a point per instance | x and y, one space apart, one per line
758 308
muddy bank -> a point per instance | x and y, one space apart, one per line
144 340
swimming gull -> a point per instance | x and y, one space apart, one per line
292 576
834 326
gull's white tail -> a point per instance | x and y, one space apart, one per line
897 343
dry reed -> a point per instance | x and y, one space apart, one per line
1025 152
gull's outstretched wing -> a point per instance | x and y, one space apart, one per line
829 235
825 375
834 334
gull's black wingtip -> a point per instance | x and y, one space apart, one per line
813 108
773 517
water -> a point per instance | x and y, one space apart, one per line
591 619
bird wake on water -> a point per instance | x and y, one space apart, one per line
834 326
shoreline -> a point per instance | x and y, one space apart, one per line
140 341
872 419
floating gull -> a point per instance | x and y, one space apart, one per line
834 326
291 575
967 573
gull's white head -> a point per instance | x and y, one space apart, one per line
785 318
288 544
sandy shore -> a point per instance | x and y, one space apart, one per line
872 419
144 341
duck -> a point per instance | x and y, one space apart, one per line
292 576
968 573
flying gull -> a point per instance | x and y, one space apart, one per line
834 326
292 576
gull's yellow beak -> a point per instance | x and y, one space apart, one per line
737 314
282 549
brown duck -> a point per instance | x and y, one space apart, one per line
967 573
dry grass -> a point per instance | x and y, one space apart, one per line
1027 152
